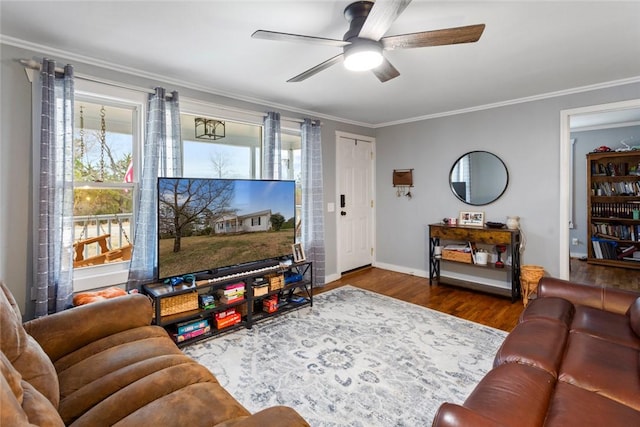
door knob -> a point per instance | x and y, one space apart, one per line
343 213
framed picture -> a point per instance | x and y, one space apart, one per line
298 252
475 219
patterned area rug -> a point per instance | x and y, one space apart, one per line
356 358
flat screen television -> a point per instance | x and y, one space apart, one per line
209 225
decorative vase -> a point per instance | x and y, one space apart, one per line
513 222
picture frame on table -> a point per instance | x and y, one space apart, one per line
298 252
474 219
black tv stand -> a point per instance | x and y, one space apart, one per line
292 284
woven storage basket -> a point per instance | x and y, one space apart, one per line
456 256
178 303
531 273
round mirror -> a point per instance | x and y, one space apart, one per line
478 178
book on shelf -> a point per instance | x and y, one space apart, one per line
234 286
225 299
228 321
626 252
604 249
177 337
473 249
191 325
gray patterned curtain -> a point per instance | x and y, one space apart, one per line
54 253
271 161
162 157
312 199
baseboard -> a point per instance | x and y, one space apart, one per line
332 278
401 269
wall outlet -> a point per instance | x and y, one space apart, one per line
575 241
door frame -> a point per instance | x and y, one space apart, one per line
565 179
372 231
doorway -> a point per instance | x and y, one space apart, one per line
355 207
566 171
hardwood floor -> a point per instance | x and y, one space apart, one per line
495 311
490 310
623 278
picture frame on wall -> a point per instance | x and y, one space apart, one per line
298 252
474 219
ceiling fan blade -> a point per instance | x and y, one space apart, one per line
468 34
382 15
274 35
385 71
315 70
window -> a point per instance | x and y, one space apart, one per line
107 140
237 155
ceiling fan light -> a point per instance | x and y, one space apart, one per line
362 56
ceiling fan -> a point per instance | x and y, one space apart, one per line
363 43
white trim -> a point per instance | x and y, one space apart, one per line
401 269
572 189
12 41
515 101
371 140
100 276
607 126
565 182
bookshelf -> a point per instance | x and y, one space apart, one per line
613 208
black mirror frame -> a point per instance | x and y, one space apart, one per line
506 184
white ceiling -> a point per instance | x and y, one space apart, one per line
528 49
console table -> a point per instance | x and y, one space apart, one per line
491 236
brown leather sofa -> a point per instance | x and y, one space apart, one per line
572 360
105 364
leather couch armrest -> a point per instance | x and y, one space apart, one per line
276 416
600 297
64 332
450 414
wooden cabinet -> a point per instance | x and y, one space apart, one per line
613 208
180 304
438 233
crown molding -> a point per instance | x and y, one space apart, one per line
515 101
70 56
43 49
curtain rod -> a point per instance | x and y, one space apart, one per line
35 65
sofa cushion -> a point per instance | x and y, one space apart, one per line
21 403
189 391
602 367
606 325
23 352
508 391
539 342
132 376
552 308
574 406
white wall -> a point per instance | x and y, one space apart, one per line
525 136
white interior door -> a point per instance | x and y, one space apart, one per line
354 168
